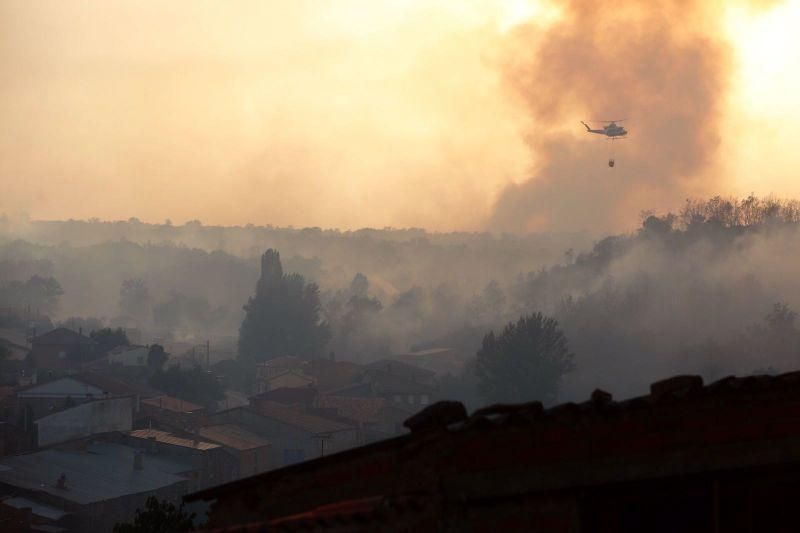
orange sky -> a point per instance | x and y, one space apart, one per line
345 113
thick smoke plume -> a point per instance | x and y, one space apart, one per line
664 66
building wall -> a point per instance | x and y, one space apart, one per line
62 356
210 467
101 416
290 380
255 461
134 357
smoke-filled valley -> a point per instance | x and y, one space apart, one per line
709 290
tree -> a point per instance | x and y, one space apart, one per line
107 339
156 357
352 314
43 293
283 317
525 362
195 385
133 298
158 517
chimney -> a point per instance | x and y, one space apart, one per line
61 482
138 461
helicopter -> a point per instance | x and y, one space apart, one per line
611 130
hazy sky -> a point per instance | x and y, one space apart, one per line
351 113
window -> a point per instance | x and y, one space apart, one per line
398 398
424 400
62 355
410 398
140 360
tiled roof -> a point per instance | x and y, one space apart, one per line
169 438
288 395
122 349
297 418
233 436
365 410
173 404
733 422
113 385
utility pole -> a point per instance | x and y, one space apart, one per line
208 355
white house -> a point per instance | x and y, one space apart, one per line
128 355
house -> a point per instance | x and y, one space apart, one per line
286 379
63 349
295 435
278 365
175 405
102 415
37 401
209 464
394 387
128 355
43 399
252 452
286 371
88 489
685 457
376 417
331 375
403 370
302 397
15 351
439 360
169 414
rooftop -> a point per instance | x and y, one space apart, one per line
233 436
38 509
103 472
430 352
355 408
62 336
168 438
173 404
399 368
392 383
115 385
122 349
297 418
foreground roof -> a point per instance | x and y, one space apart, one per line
731 423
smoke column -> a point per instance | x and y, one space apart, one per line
665 67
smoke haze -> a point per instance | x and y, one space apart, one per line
667 69
350 113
